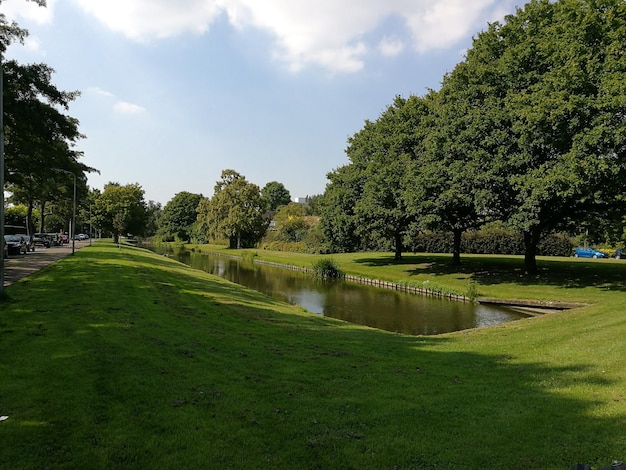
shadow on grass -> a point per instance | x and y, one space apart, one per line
493 270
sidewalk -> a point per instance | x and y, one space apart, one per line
17 267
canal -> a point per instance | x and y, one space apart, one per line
384 309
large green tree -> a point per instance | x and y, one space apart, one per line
179 216
121 210
235 212
542 98
366 201
39 138
275 195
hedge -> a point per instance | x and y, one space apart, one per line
490 242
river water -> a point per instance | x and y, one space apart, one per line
364 305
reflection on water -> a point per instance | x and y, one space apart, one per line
365 305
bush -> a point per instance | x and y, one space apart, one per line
490 240
325 268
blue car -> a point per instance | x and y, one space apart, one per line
588 252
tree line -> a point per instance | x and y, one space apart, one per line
528 132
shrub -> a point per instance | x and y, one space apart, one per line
325 268
491 240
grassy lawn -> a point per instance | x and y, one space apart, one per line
126 359
559 279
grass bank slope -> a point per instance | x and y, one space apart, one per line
126 359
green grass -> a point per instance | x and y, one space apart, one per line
559 279
126 359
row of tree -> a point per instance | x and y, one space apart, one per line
529 129
239 212
40 156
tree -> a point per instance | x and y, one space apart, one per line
544 100
179 216
154 213
291 222
39 138
366 201
338 219
234 212
121 210
275 195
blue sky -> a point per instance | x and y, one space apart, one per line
173 92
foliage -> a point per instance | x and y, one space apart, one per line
325 269
179 217
541 94
236 212
121 210
275 195
154 212
40 140
528 129
491 241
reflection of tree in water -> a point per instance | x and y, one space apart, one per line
365 305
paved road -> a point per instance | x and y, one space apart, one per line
17 267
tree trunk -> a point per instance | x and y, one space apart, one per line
398 251
456 248
531 241
29 220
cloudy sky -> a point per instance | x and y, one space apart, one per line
173 92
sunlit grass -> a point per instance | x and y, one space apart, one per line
123 358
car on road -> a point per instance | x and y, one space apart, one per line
30 244
81 236
40 239
589 252
64 239
619 254
15 245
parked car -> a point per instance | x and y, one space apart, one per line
15 244
81 236
39 239
64 238
53 238
589 252
30 245
619 254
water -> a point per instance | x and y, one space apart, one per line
364 305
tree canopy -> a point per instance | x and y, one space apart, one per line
235 212
275 195
121 210
529 129
179 216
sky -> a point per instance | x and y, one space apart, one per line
174 92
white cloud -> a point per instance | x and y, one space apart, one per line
23 10
391 47
143 20
123 107
99 91
326 33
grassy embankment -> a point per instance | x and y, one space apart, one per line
122 358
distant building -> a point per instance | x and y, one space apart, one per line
302 200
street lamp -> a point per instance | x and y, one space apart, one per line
72 228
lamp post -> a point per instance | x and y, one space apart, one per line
73 227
